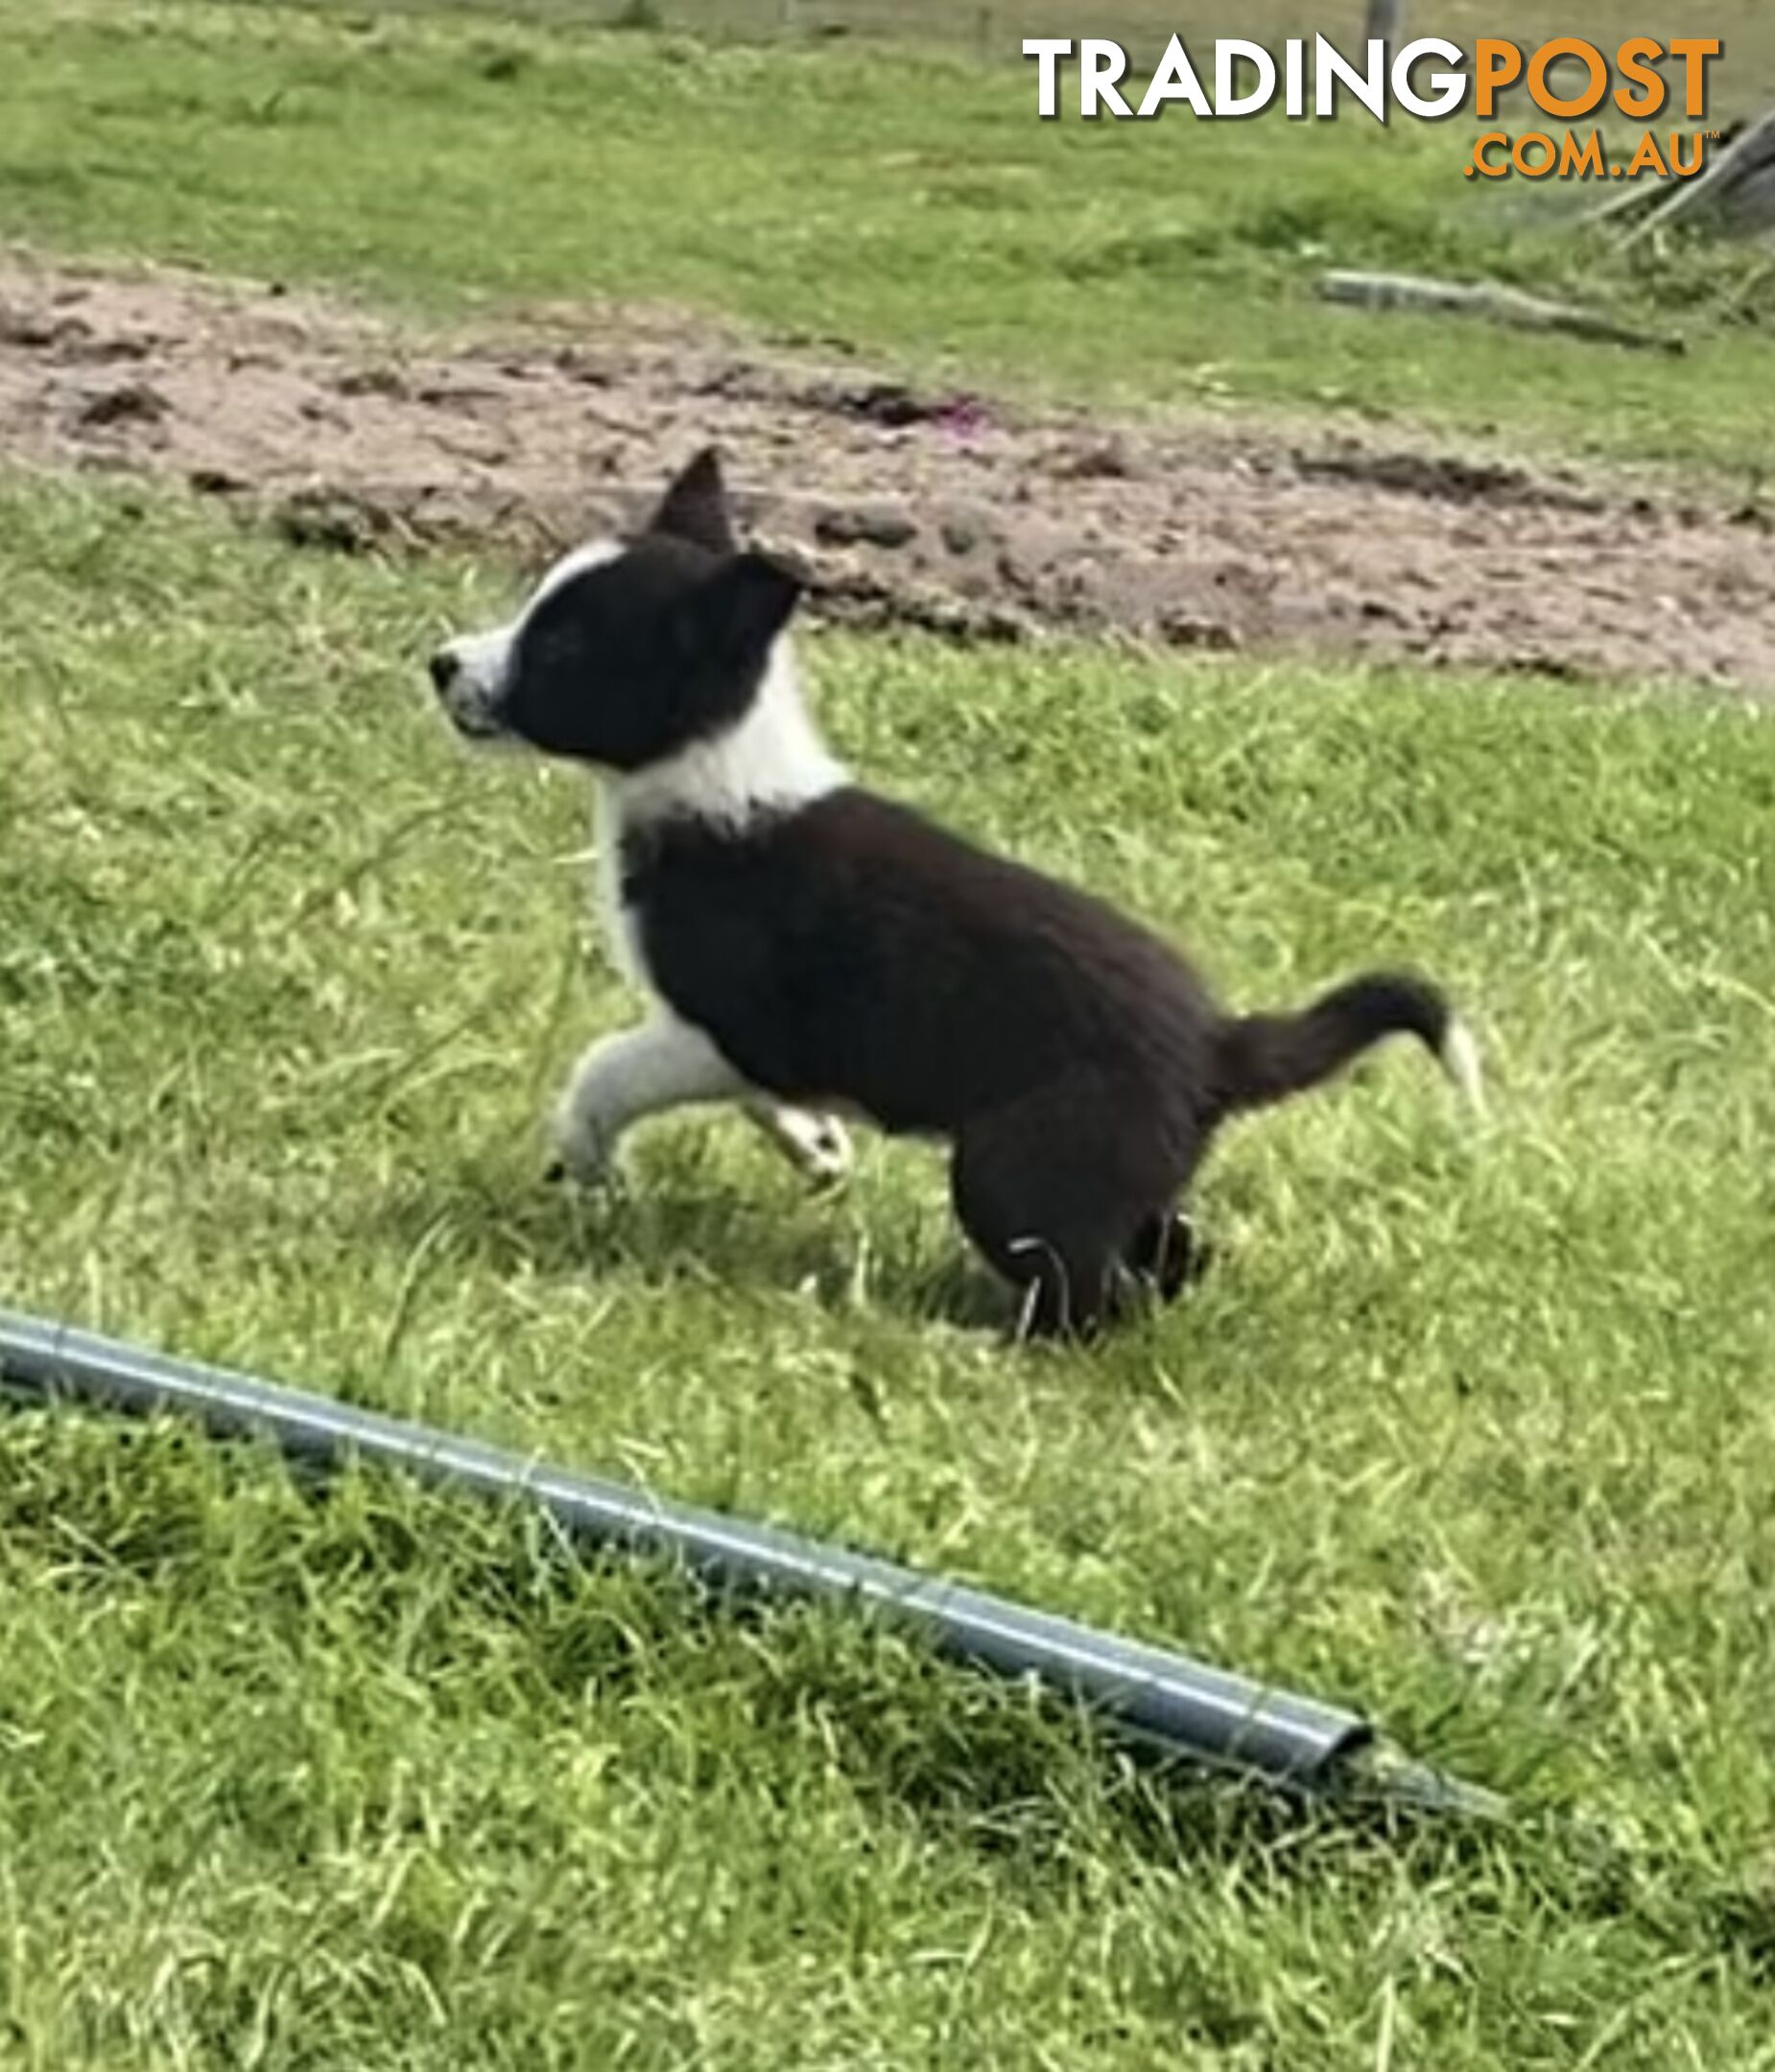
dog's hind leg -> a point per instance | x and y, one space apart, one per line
1057 1191
1167 1255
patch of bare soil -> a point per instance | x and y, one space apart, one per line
941 511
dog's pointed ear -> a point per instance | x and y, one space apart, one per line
747 602
696 507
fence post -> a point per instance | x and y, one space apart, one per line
1385 18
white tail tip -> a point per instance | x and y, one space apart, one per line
1460 1060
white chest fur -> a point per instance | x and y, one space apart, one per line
771 762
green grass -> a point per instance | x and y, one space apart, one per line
915 206
1468 1430
996 27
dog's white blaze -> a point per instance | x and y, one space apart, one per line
482 659
1460 1060
595 554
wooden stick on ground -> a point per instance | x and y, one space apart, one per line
1489 299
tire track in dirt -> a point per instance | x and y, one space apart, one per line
935 510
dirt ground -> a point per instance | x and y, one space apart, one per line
938 509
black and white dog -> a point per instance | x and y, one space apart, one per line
814 949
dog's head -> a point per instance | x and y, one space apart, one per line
629 650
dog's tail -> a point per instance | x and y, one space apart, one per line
1266 1057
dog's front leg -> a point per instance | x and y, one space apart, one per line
663 1064
818 1145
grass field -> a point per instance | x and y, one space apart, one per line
1470 1428
995 27
914 206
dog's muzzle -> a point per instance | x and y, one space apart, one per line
469 692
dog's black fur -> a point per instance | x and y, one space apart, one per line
847 953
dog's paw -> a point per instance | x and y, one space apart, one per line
818 1145
584 1155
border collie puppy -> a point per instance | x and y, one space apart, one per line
814 949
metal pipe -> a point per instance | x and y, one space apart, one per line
1189 1707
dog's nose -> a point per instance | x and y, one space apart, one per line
444 669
